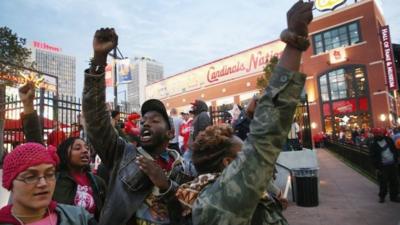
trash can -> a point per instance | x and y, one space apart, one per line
306 186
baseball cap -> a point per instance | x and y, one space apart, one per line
158 106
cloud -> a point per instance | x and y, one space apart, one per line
181 34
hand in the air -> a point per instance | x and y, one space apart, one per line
299 16
104 40
27 93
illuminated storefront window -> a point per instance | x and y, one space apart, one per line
344 99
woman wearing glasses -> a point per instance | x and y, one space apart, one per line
29 173
76 185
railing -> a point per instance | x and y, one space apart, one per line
61 113
358 156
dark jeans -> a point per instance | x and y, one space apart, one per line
293 145
388 175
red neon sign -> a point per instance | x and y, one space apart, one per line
45 46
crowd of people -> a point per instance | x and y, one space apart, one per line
383 146
219 174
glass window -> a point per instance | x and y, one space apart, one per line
360 81
342 84
337 37
324 88
318 44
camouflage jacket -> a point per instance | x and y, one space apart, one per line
233 197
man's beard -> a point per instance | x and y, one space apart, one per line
157 141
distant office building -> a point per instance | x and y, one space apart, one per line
145 71
49 59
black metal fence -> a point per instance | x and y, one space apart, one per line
60 118
358 156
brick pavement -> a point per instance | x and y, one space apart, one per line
345 198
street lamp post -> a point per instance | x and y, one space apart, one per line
115 56
115 79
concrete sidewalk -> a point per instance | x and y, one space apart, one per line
345 198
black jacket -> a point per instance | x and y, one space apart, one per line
376 150
66 186
242 125
201 120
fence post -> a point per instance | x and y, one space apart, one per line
41 109
307 125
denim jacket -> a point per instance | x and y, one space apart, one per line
128 186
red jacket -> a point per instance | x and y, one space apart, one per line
56 137
184 131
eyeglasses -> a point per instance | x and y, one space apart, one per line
36 179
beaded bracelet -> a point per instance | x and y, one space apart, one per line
291 38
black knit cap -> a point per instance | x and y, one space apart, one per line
158 106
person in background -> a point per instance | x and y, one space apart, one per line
201 119
184 131
385 159
241 126
76 185
131 128
117 124
293 143
56 136
235 112
29 172
76 130
177 123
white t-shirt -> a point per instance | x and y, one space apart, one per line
294 129
177 124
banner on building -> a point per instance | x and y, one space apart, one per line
124 71
389 64
326 5
109 76
250 62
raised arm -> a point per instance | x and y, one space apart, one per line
233 198
30 120
100 132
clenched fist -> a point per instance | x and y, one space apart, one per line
299 16
104 40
